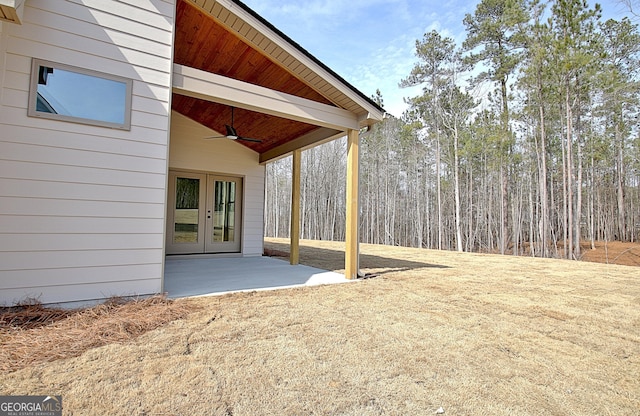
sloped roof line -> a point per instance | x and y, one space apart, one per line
308 54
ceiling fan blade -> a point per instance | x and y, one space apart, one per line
232 133
249 139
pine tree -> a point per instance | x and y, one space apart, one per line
433 72
495 38
576 51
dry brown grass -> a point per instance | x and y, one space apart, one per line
474 334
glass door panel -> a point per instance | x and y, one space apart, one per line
187 210
186 213
224 212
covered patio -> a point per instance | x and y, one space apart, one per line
233 69
187 276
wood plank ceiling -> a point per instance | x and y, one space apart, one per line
203 43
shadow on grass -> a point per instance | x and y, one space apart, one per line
332 259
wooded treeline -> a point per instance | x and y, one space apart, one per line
548 158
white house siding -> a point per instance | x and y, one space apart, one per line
82 207
189 151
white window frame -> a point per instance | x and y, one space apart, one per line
33 95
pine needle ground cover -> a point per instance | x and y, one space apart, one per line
463 333
32 334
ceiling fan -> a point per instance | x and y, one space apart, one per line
232 134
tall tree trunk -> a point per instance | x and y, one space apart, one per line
578 219
471 237
569 172
532 220
439 191
542 180
565 204
622 232
456 179
504 184
503 208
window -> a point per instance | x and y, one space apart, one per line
63 92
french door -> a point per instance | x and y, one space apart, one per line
205 213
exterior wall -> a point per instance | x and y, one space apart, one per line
189 151
82 208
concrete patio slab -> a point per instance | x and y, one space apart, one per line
201 276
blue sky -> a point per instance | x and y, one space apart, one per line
371 43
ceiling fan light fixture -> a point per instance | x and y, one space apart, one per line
231 132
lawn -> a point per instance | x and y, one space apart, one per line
469 334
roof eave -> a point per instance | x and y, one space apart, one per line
372 112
